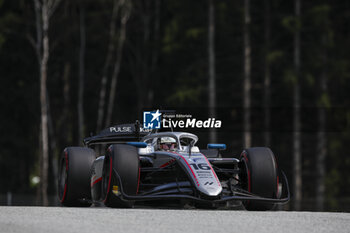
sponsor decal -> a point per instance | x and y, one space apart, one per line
208 183
194 159
120 129
115 190
204 174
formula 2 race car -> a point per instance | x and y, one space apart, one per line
164 167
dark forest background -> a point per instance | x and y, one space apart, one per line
277 73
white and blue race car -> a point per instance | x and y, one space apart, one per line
167 167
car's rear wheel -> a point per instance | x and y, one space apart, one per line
259 176
121 161
74 176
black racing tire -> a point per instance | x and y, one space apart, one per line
260 176
74 176
122 161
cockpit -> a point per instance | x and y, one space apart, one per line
174 141
166 144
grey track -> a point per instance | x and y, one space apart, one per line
99 220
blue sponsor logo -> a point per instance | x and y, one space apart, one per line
151 120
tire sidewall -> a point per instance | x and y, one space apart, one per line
123 160
261 176
75 165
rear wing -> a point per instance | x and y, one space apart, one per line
119 133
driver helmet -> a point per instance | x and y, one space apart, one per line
167 143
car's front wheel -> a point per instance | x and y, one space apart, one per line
259 176
120 171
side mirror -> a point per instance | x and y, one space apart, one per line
217 146
195 149
137 144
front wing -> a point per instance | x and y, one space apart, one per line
182 190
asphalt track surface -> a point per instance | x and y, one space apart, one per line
99 220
